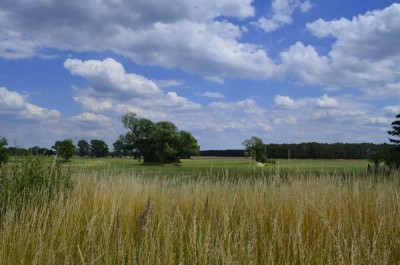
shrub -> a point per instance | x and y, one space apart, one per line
3 151
32 178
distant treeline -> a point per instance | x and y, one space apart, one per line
311 151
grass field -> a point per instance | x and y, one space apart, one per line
207 165
116 214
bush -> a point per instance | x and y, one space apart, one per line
3 151
32 178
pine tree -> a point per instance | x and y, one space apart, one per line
395 131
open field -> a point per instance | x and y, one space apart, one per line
212 165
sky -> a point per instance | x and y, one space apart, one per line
287 71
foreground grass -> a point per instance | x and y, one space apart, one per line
123 218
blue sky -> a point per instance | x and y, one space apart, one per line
287 71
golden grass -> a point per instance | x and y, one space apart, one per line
127 219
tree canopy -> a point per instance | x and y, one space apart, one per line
159 142
65 149
255 149
83 148
98 148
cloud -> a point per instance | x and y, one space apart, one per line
14 104
380 121
281 14
303 63
11 99
365 53
283 101
91 103
210 95
38 113
91 118
395 109
216 79
172 100
169 83
189 35
108 77
326 102
112 90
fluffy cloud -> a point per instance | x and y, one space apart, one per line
108 77
326 102
38 113
365 54
303 63
322 102
112 90
11 99
281 14
172 100
14 104
283 101
184 34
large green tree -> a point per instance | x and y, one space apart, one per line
188 145
66 149
255 149
3 151
83 148
98 148
159 142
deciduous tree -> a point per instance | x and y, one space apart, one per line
98 148
83 148
66 149
159 142
255 149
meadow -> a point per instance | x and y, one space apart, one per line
210 211
200 166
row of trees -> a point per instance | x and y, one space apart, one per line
162 142
66 148
389 154
311 151
147 141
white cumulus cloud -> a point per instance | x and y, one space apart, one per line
109 77
281 14
283 101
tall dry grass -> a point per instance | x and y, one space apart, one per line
124 218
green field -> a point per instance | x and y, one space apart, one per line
203 166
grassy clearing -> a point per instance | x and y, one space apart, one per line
122 217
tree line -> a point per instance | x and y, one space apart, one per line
311 150
148 141
162 142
